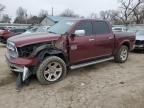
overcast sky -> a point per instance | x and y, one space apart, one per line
81 7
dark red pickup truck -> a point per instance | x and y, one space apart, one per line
69 44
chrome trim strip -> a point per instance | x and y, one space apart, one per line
91 63
16 68
24 70
26 73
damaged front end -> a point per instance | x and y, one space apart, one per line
20 69
23 60
23 74
19 64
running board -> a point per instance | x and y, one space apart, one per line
91 63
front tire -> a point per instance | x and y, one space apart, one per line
122 54
51 70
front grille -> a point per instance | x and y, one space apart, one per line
139 42
25 51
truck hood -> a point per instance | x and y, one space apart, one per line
139 37
27 39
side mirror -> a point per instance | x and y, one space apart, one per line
79 32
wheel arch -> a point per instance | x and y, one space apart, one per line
42 54
126 43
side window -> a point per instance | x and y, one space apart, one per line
100 27
13 30
20 30
17 30
87 26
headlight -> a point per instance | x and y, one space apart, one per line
10 46
12 50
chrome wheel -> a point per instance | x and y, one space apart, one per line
53 71
124 54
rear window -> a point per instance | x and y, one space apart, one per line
100 27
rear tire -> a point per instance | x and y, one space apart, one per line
122 54
51 70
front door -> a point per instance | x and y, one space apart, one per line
82 47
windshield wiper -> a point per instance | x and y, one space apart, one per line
52 32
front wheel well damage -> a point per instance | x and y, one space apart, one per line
46 53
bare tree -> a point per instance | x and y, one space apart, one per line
68 13
21 15
138 14
130 11
105 15
34 20
2 7
21 12
142 16
93 15
6 18
43 13
127 7
110 15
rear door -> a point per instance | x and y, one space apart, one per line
104 39
82 47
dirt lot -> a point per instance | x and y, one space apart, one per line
106 85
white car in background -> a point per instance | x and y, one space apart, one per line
139 45
119 29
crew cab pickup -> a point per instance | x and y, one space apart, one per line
69 44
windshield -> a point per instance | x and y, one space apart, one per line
141 33
31 30
62 27
42 29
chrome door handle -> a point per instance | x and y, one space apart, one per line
91 39
110 37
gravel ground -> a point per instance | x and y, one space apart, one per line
105 85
